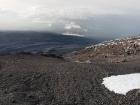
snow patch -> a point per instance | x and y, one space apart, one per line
122 84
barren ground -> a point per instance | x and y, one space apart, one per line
40 80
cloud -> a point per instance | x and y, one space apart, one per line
70 9
42 14
72 25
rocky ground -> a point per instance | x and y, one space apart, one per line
115 51
41 80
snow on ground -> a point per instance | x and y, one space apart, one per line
122 84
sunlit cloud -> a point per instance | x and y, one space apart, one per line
72 25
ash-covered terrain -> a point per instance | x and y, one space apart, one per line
76 79
39 80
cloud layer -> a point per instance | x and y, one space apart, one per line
53 14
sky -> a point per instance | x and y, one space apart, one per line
69 15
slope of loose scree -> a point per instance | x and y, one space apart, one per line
39 80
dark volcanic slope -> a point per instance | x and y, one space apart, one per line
119 50
39 80
12 42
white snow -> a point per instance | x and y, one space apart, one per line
122 84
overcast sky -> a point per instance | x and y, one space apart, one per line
42 14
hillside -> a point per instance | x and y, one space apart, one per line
40 80
34 42
80 78
119 50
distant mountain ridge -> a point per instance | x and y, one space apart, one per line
22 41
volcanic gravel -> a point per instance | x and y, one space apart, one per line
40 80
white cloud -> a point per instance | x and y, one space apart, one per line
28 11
70 34
72 25
72 8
